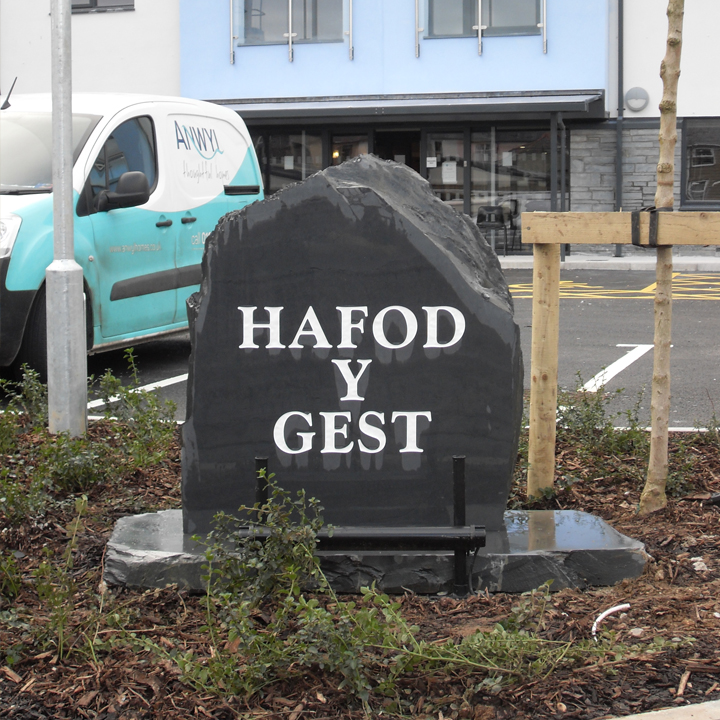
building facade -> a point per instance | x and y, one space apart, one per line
483 114
516 112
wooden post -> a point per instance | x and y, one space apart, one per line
544 367
545 230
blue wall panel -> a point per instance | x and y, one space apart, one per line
385 61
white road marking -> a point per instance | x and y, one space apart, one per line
146 388
604 376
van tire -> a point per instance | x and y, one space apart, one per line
33 349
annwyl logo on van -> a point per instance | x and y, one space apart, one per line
204 140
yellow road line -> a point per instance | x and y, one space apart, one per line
686 286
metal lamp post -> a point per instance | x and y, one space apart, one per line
66 338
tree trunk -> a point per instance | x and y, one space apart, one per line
653 495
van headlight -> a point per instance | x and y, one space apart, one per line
9 228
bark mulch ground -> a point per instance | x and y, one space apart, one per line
677 598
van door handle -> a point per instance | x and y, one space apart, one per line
163 223
188 220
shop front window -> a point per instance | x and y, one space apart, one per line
509 174
266 22
292 158
445 165
458 18
345 147
508 166
402 146
701 138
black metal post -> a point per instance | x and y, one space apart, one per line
563 162
554 170
621 113
261 486
461 578
553 162
467 172
563 170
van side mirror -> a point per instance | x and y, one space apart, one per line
132 190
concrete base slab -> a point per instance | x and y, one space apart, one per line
573 549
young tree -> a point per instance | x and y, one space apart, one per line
653 496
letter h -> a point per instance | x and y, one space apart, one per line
249 326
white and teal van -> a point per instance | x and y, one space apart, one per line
151 178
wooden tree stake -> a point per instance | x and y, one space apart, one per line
544 368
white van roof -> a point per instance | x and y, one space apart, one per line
105 103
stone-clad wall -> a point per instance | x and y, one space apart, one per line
592 168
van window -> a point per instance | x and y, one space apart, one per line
130 147
26 149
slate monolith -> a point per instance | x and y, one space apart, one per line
359 333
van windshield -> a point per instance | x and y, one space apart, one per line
26 149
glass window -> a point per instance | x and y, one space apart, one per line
260 145
702 151
345 147
456 18
445 163
266 21
511 17
292 158
130 147
402 146
703 156
523 161
26 149
483 178
101 5
317 20
451 18
510 169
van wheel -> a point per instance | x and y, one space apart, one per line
33 350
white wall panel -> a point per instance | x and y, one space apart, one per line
645 38
130 51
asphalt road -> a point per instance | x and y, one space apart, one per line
611 308
599 311
157 362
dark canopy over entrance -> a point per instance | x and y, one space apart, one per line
489 155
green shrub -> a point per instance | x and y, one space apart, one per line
21 499
56 587
10 576
584 419
144 431
264 626
73 464
9 430
148 420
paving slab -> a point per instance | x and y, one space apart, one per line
593 261
701 711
